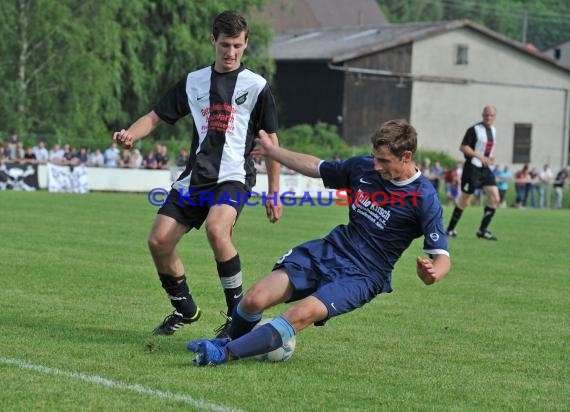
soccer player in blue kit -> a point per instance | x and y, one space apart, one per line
391 204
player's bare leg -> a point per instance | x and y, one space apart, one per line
165 235
219 227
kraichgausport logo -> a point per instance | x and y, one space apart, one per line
341 197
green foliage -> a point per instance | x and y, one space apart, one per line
443 158
321 140
547 21
81 69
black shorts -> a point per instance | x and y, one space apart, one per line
190 207
474 177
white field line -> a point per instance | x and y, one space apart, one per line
98 380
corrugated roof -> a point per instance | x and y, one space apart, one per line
338 44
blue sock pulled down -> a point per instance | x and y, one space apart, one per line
263 339
242 322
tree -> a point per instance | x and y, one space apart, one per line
52 70
83 68
542 22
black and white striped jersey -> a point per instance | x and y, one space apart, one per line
482 140
228 110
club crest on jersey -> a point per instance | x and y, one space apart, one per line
241 98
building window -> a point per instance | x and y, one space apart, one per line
461 54
522 143
557 54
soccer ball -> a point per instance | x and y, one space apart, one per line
281 354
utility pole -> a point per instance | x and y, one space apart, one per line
525 25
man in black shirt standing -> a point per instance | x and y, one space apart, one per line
229 105
477 147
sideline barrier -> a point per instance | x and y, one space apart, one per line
143 180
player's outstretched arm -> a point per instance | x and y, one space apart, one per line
139 129
303 163
432 271
273 209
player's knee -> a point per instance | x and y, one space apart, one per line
217 233
252 302
463 201
158 244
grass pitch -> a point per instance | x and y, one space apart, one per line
79 298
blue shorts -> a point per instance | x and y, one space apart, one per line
316 269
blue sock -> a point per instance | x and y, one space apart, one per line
284 328
242 322
263 339
260 340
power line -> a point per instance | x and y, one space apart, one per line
504 12
510 11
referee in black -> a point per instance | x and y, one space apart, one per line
477 147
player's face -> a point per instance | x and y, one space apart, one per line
489 117
390 166
229 51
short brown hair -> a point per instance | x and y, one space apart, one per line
229 23
398 135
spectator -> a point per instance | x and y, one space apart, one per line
56 154
68 153
452 178
182 158
426 168
125 158
521 179
19 152
136 159
29 156
533 187
504 176
80 156
162 156
42 154
149 161
96 159
559 182
546 178
12 146
112 155
436 173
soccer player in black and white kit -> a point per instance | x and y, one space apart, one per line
229 105
477 146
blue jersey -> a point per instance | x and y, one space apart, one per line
384 216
